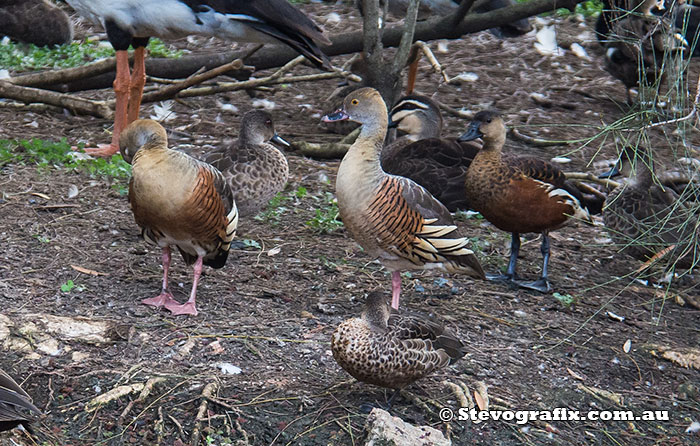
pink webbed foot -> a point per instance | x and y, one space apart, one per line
186 308
103 150
162 300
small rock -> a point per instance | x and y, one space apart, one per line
385 430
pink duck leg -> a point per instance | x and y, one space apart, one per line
165 297
189 306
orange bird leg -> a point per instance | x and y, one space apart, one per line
412 72
138 80
121 91
188 307
395 289
165 297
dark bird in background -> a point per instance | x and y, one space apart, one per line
35 21
15 405
133 22
389 349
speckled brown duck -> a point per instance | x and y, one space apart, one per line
391 217
254 169
645 219
421 154
177 200
35 21
518 194
384 348
15 405
637 42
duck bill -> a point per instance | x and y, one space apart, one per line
615 171
338 115
472 133
277 139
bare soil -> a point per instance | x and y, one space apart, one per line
272 309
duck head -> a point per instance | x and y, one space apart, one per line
635 164
364 105
376 311
416 116
257 128
487 125
142 134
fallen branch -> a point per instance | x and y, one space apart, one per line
208 392
51 77
335 150
75 104
536 141
587 176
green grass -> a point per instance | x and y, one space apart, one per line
325 221
59 155
22 57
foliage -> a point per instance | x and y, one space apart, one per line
46 154
70 286
325 220
23 57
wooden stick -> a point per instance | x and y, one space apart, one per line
75 104
52 77
208 392
587 176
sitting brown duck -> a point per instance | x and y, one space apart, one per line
387 349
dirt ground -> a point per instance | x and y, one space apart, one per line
271 311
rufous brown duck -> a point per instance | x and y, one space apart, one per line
518 194
177 200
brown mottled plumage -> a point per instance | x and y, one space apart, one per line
517 194
644 218
254 169
15 405
637 43
391 217
385 348
438 164
35 21
178 200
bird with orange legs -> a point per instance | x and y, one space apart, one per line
133 22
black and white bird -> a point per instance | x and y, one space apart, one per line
133 22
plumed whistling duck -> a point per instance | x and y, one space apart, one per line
392 217
388 349
254 169
438 164
177 200
15 405
644 218
637 42
35 21
518 194
132 22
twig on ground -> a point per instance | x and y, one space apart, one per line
459 393
52 77
588 176
536 141
207 393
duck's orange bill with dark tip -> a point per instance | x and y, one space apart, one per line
338 115
472 132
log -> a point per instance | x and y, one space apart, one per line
75 104
272 56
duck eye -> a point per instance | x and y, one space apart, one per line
354 102
268 122
488 121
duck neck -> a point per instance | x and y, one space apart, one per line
493 146
360 171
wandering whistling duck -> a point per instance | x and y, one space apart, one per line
177 200
517 194
254 169
132 22
438 164
388 349
392 217
644 218
35 21
15 405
